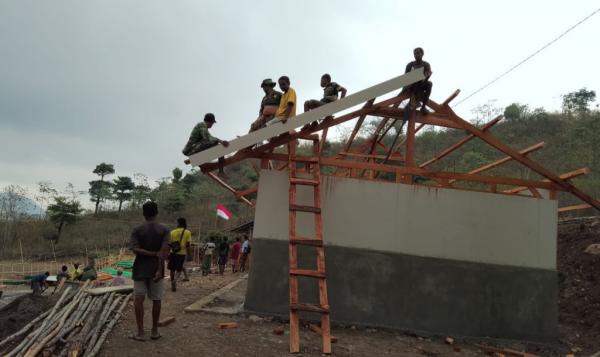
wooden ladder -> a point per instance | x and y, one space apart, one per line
312 165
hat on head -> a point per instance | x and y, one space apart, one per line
268 82
210 117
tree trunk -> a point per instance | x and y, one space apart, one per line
120 204
97 203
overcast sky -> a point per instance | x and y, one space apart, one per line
124 82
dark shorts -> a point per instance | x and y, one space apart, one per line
176 262
222 259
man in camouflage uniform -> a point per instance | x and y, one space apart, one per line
330 93
268 105
200 139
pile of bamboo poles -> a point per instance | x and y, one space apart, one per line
77 325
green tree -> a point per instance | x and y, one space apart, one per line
123 187
516 111
63 212
100 189
578 102
177 174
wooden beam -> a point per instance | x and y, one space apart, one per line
451 97
574 207
505 159
541 170
228 187
431 118
356 129
409 160
566 176
499 180
460 143
373 156
246 191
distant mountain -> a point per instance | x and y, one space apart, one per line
26 206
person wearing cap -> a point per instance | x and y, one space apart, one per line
200 138
268 105
331 90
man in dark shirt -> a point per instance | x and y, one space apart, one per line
150 244
421 90
268 105
330 93
223 255
38 283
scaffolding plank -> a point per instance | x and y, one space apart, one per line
298 121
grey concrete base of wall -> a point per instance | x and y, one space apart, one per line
439 296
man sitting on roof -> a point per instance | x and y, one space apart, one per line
330 93
200 138
268 105
421 90
287 105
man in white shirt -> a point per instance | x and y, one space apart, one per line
209 248
245 252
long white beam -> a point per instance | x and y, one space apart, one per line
308 117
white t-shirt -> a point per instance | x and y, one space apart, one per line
245 246
210 247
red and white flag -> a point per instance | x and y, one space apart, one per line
223 212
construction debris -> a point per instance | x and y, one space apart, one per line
593 249
77 325
166 321
227 325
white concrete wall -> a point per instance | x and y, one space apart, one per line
442 223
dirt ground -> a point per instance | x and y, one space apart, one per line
579 283
197 333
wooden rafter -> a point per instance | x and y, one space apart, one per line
460 143
505 159
565 176
541 170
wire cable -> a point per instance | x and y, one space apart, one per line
529 57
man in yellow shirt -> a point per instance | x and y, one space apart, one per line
180 246
287 105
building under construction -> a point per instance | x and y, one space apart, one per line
383 240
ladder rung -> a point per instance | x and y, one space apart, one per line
300 208
305 241
305 159
301 181
310 307
308 273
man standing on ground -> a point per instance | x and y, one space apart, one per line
180 246
330 93
150 244
235 254
268 105
287 105
223 255
209 248
245 254
421 90
200 138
